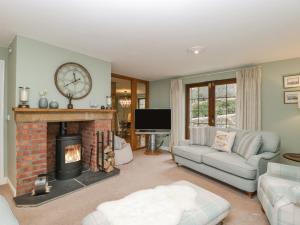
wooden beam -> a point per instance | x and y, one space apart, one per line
59 115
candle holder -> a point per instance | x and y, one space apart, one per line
108 102
24 97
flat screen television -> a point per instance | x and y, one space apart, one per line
152 119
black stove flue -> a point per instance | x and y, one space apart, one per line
68 154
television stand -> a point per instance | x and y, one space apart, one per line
152 148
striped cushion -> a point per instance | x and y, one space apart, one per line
199 136
249 145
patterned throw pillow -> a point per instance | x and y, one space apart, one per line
249 145
198 135
224 140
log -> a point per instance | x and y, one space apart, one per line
109 169
108 149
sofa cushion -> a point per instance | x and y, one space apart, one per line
270 142
199 136
275 187
224 141
192 152
240 134
231 163
249 145
212 134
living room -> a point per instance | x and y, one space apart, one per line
149 112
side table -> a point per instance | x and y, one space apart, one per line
292 156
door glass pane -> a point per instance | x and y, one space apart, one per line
121 101
141 104
203 112
231 90
225 108
194 93
231 112
221 91
221 114
198 106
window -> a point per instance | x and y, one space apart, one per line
211 103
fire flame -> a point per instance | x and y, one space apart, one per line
72 153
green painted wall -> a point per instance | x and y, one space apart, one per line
4 56
278 117
159 93
281 118
32 63
37 63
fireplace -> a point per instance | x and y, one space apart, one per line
68 154
36 133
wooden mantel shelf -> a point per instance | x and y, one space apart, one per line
60 115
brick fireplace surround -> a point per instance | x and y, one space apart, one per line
36 130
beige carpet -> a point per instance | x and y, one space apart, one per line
143 172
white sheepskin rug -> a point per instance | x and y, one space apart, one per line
162 205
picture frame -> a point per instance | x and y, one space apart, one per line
291 97
291 81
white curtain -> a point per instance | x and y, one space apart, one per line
176 102
249 98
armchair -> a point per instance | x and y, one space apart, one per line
279 194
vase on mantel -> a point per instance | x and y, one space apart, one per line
43 102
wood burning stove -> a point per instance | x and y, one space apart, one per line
68 154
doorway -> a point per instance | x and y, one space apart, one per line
2 69
127 95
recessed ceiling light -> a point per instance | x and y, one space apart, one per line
196 50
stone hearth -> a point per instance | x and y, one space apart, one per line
36 130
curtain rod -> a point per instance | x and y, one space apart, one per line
214 73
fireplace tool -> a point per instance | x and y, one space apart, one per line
106 153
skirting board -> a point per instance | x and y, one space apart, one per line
5 180
12 188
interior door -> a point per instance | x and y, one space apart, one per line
122 103
142 100
136 93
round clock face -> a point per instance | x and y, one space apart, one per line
74 79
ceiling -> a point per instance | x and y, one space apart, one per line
148 39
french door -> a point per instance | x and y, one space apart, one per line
211 103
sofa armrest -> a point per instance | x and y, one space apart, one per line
284 171
260 161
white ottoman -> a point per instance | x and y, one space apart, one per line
6 215
123 155
211 210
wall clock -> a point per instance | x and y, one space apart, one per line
73 78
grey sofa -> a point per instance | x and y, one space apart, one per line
230 168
